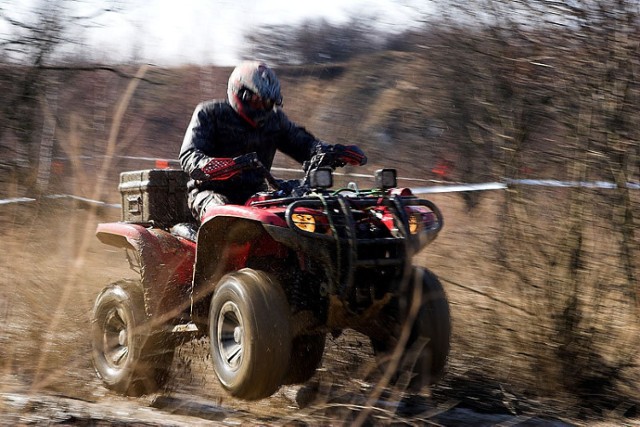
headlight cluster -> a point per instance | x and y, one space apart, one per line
419 219
305 222
373 222
310 221
415 221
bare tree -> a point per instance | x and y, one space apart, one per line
25 51
30 79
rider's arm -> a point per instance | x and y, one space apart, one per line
199 134
297 142
302 145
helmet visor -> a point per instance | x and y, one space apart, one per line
256 102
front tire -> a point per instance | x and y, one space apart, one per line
129 357
250 334
425 354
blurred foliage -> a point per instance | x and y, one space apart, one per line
559 99
314 41
495 89
28 90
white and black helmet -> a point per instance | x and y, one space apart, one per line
254 91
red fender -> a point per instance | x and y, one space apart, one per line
264 216
165 261
228 237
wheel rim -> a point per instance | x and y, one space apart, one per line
115 338
230 336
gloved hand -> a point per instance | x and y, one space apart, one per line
221 168
350 154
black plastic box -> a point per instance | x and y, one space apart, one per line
155 196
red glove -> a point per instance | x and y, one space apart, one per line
221 168
351 154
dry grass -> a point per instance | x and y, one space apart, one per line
507 346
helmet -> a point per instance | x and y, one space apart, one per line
254 91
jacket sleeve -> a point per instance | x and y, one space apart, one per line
297 142
199 133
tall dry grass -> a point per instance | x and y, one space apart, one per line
51 269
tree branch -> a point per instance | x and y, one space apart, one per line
96 68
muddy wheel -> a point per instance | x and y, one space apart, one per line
249 329
425 354
306 355
127 356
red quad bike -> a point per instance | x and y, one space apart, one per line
266 281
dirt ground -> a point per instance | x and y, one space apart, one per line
52 267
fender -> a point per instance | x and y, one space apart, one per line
165 263
228 237
264 216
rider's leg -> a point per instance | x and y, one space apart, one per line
199 201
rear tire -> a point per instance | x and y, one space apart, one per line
250 334
427 349
127 355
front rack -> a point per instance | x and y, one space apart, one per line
354 252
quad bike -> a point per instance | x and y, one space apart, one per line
266 281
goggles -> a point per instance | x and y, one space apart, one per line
256 102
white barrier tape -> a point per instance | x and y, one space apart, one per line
458 188
60 196
511 182
16 200
571 184
84 199
487 186
448 188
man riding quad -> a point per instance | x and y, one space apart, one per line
269 273
249 120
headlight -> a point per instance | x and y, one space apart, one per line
419 219
321 178
415 222
386 178
304 222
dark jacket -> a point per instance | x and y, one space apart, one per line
216 130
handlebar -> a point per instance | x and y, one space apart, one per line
332 156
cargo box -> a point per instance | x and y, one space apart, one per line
156 196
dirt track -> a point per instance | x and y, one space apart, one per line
53 267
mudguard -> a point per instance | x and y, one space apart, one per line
165 263
228 237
